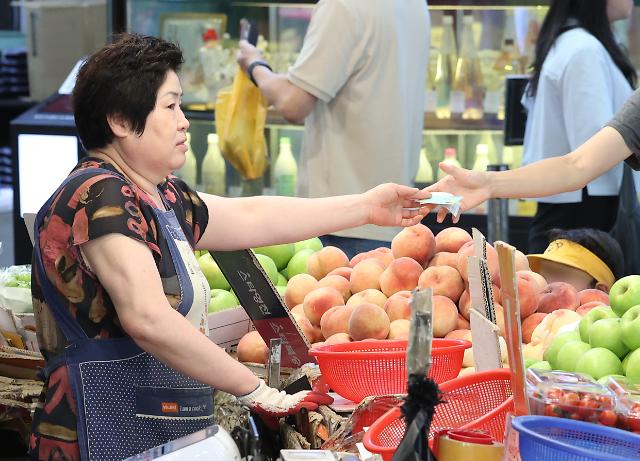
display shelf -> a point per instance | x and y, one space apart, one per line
433 4
431 123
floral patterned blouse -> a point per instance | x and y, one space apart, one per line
87 208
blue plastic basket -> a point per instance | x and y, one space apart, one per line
544 438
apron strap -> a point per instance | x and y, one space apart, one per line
67 324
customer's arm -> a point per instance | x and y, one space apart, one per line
291 101
127 270
550 176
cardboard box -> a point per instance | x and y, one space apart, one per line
228 326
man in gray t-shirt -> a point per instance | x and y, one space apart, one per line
627 123
358 84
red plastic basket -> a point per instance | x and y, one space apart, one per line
359 369
479 401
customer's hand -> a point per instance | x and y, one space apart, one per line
247 54
473 186
271 403
395 205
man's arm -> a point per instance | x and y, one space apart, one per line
292 102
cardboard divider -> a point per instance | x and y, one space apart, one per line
263 304
513 326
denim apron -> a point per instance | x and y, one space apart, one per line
128 401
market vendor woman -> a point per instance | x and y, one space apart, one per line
119 298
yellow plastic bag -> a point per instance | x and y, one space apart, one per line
241 114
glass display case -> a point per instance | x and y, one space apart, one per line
493 39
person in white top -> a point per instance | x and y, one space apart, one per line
358 84
581 78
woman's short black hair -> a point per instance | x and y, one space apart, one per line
597 242
123 79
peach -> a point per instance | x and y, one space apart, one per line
451 239
325 260
529 324
444 258
307 329
298 287
415 242
445 316
586 307
369 295
397 306
342 272
533 350
521 261
551 324
366 274
558 295
384 255
298 309
336 320
443 280
539 279
252 348
317 345
462 324
339 283
464 304
492 261
402 274
528 295
338 338
359 257
591 294
368 321
460 333
319 301
399 329
500 319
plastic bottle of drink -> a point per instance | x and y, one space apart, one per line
482 158
285 170
424 176
450 155
445 66
509 62
213 168
188 171
468 90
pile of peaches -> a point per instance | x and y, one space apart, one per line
367 298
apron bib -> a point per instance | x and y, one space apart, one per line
127 400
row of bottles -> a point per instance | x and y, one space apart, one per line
459 86
425 174
213 174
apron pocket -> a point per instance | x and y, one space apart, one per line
174 403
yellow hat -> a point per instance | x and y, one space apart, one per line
574 255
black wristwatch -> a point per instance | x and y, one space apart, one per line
252 66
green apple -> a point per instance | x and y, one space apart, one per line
542 365
284 273
298 264
212 272
625 294
625 361
630 328
607 333
595 314
599 362
281 289
605 379
551 352
313 243
632 368
528 362
282 280
281 254
221 300
269 267
569 355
